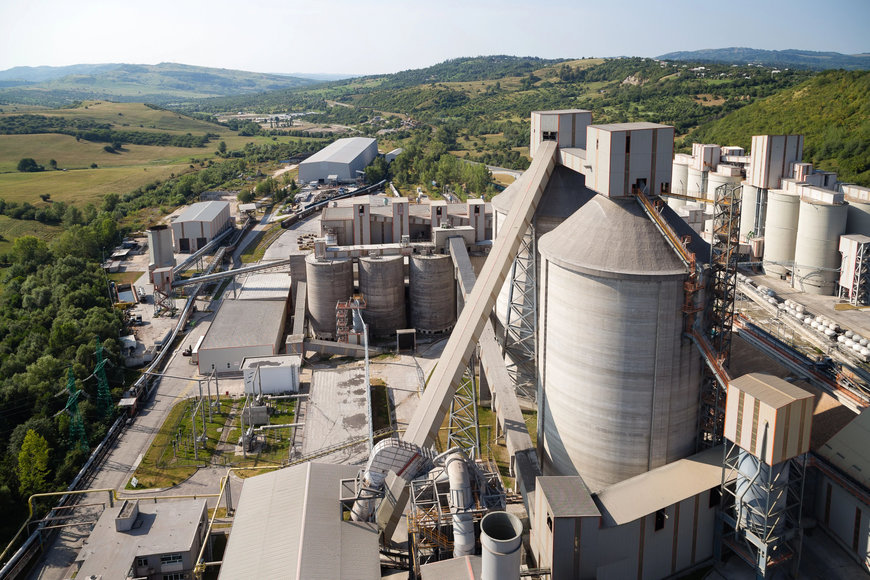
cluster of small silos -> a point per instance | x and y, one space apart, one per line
381 282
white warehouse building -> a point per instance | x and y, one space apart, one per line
242 329
199 224
342 159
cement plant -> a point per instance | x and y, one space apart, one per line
627 364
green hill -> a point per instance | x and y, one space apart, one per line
161 83
782 58
831 110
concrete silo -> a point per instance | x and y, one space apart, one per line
780 230
329 281
816 254
382 284
619 383
432 293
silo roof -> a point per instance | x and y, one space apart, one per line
566 191
608 237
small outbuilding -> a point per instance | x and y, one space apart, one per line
271 375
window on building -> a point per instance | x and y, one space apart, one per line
661 516
170 558
175 576
628 144
856 532
549 135
141 562
549 523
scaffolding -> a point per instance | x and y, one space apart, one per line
761 508
345 329
724 250
430 519
521 319
463 430
856 274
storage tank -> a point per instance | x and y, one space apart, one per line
820 226
858 218
716 179
679 181
432 293
696 182
619 384
382 283
780 230
328 282
748 210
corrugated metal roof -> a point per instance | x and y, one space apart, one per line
271 286
568 496
288 525
203 211
848 449
245 323
769 389
649 492
341 151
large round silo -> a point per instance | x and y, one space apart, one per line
329 281
716 180
696 182
382 283
432 293
816 253
780 230
753 478
858 218
748 210
679 179
619 383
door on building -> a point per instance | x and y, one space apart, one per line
184 245
200 243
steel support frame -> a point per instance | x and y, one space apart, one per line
859 292
463 430
769 534
521 319
720 319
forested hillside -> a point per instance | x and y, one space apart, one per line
831 110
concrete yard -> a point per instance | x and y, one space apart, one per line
336 414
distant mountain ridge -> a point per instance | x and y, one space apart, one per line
784 58
161 83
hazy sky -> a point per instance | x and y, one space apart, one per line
382 36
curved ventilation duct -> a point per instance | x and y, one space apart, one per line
406 460
461 502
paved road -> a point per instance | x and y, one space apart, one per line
127 452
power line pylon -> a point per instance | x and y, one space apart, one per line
77 435
104 396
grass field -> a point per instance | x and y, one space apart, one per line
82 186
72 154
133 167
11 229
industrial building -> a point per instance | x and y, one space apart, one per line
613 319
152 541
241 329
342 161
199 224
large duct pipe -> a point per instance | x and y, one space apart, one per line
501 535
404 459
461 501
